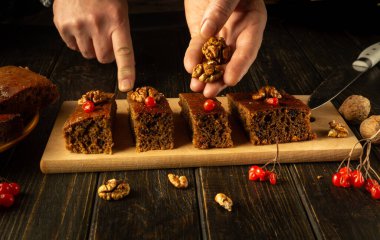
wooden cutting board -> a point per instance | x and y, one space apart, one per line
56 159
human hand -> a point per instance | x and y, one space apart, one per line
98 29
240 22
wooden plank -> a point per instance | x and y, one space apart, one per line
154 209
260 210
58 159
334 212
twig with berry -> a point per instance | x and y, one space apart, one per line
256 173
347 176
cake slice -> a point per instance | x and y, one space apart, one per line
24 92
268 115
210 128
11 127
89 127
151 119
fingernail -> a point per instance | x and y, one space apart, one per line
208 29
125 85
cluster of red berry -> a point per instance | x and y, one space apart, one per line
88 106
256 173
7 193
272 101
346 177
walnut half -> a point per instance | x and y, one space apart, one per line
266 92
337 130
178 181
224 201
114 189
141 93
95 96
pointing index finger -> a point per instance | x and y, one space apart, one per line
125 60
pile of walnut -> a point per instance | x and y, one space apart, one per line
216 53
114 190
356 109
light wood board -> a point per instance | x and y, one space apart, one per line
56 159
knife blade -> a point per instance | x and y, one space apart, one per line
341 78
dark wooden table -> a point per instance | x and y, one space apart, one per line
302 46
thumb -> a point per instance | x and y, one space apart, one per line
216 15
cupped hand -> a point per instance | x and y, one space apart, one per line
98 29
240 22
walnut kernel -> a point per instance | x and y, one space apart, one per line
114 189
369 127
141 93
178 181
95 96
224 201
216 52
266 92
355 108
337 130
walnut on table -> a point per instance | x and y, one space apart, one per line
178 181
224 201
355 108
114 189
370 128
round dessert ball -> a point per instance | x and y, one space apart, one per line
369 127
355 108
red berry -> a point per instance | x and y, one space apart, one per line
15 188
273 178
150 101
260 172
345 180
5 188
88 106
375 192
6 200
344 170
265 177
252 173
336 179
272 101
369 183
357 179
209 105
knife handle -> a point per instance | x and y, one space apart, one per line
368 58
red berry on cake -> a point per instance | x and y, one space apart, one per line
150 101
209 105
88 106
272 101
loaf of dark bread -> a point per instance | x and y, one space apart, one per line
210 129
24 92
287 121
